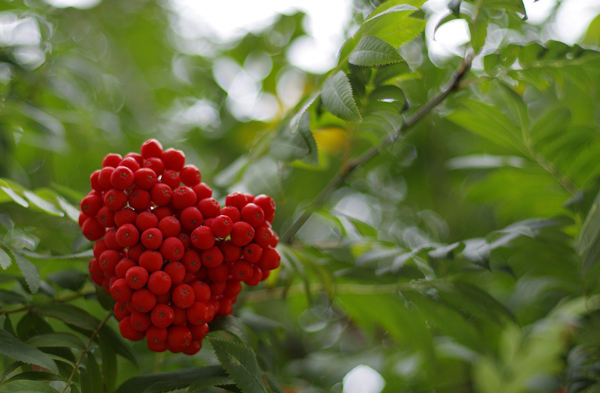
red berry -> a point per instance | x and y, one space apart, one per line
193 348
270 259
199 331
104 177
176 271
191 261
209 207
222 226
241 270
128 331
136 252
179 337
236 199
190 175
151 260
161 194
171 178
255 278
159 283
136 277
249 198
219 273
125 216
92 229
253 215
145 178
212 257
95 182
152 238
197 313
120 291
143 300
155 164
146 220
253 253
231 252
110 239
183 296
174 159
183 197
226 307
180 317
82 219
124 265
156 334
191 218
139 200
128 235
115 199
130 163
99 248
106 217
108 260
232 212
151 148
90 205
94 268
169 226
266 203
242 233
172 249
162 316
263 236
111 160
202 291
157 347
202 191
140 321
202 238
122 177
121 310
233 287
185 240
162 212
137 157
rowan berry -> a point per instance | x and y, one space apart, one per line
176 271
139 199
165 298
151 260
242 233
156 334
253 252
146 220
231 252
191 218
92 229
263 236
171 178
180 317
226 307
202 291
159 283
137 157
253 215
193 348
127 235
209 207
183 296
155 164
105 217
130 163
104 177
143 300
231 212
236 199
136 277
122 267
115 199
270 259
199 331
169 226
266 203
255 278
183 197
152 238
232 287
151 148
140 321
111 160
135 252
162 315
82 219
202 191
179 337
158 347
222 226
190 175
212 257
214 302
128 331
125 216
145 178
219 273
161 194
120 291
108 260
191 261
99 248
90 205
197 313
172 249
203 238
162 212
122 177
95 181
174 159
241 270
120 310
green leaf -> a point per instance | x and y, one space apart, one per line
69 279
209 382
80 255
588 244
388 8
454 6
69 314
372 51
30 272
231 325
26 387
56 340
43 204
395 28
10 297
15 197
390 94
259 324
337 98
301 145
118 343
93 375
72 211
109 365
262 177
16 349
510 5
295 122
240 362
232 173
5 259
478 32
179 378
36 376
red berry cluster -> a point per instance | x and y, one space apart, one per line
169 255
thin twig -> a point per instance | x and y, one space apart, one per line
32 306
87 347
351 165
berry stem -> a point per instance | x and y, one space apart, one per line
351 165
87 347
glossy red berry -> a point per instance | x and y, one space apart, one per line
190 175
209 207
202 291
146 220
222 226
202 191
152 238
219 273
179 337
183 296
156 334
174 159
90 205
124 265
162 316
145 178
253 252
140 321
128 235
136 277
212 257
122 177
171 178
151 148
159 283
231 212
197 313
253 214
266 203
139 199
111 160
176 270
120 291
172 249
143 300
155 164
92 229
125 216
242 233
151 260
161 194
203 238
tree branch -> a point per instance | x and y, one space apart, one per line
351 165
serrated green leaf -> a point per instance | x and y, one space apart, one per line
372 51
15 197
118 343
69 279
72 211
56 340
69 314
396 28
209 382
337 98
26 387
181 377
231 325
301 145
240 362
5 259
43 204
8 326
16 349
29 270
386 9
295 122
